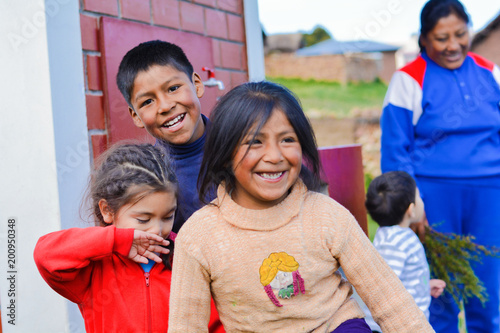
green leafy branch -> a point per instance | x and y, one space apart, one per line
450 257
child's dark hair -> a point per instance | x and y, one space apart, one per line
235 114
434 10
125 174
389 196
144 56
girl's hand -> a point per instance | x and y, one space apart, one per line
147 246
437 287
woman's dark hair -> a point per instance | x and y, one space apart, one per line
125 174
434 10
252 104
389 196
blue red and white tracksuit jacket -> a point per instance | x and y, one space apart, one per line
438 122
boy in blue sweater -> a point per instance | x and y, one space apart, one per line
394 202
162 91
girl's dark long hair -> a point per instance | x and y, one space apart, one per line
235 114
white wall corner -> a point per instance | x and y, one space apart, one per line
43 141
255 45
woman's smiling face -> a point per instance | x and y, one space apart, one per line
448 42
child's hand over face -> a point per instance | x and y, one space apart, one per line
146 246
437 287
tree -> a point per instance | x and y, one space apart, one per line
319 34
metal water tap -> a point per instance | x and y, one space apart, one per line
212 82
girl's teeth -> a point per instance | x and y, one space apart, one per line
271 175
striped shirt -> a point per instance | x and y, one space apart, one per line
403 251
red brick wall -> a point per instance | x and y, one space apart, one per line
490 47
221 20
324 67
388 66
336 67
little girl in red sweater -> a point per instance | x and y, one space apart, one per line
119 272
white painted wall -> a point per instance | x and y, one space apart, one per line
255 44
43 147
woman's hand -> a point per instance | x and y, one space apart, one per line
437 287
147 246
419 228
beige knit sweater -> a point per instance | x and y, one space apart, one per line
275 270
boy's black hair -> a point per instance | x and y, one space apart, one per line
389 196
144 56
234 115
434 10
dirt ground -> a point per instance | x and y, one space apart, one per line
334 132
356 130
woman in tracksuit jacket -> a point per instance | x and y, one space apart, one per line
441 123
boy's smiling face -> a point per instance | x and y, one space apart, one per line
166 103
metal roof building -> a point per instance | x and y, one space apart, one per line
332 46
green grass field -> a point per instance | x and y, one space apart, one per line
333 98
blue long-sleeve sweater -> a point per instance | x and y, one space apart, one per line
186 160
438 122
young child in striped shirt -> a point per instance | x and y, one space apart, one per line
393 201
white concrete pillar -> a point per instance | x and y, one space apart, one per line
44 153
255 46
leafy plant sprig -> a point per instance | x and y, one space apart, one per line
450 257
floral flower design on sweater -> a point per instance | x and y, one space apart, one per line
280 272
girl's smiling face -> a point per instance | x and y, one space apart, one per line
266 167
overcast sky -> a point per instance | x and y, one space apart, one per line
390 21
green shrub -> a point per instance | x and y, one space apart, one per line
450 257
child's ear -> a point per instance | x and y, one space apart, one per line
106 212
411 210
135 117
198 84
